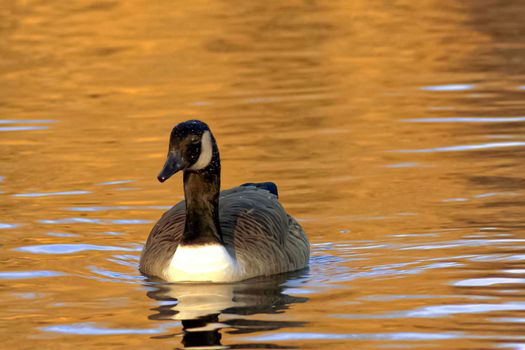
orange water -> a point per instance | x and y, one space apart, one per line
395 131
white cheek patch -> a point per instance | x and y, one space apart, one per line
206 152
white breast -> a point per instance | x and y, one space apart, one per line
206 263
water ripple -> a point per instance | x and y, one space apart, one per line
96 221
5 226
26 121
126 261
29 274
114 274
59 234
489 281
466 120
509 319
446 310
373 336
47 194
90 328
117 182
118 207
22 128
460 148
448 87
70 248
402 165
463 243
514 346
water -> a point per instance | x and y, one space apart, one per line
395 131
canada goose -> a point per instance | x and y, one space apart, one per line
229 236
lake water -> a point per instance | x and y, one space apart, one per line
395 131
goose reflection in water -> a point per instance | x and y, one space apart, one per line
199 307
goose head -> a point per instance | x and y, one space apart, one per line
191 148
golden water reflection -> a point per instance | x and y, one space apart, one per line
207 310
394 131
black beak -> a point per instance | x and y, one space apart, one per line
173 164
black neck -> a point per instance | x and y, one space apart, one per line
201 192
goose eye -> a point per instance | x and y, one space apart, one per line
195 139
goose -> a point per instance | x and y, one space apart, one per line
214 236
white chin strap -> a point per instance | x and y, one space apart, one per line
206 152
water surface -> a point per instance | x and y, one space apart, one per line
394 130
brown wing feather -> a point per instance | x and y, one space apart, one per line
263 238
163 241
